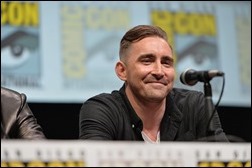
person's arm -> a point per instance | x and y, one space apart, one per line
212 131
27 126
96 121
218 132
17 119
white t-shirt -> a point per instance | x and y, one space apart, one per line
148 140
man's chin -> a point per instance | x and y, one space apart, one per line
157 97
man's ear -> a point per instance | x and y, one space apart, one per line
120 70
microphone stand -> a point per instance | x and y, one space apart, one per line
209 108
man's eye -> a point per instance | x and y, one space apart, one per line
146 61
167 63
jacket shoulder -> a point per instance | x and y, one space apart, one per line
107 98
8 95
185 92
11 102
183 97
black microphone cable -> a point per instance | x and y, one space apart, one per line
217 104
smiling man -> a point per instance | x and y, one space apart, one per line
147 107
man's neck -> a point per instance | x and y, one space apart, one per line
151 113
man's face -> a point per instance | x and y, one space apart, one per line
149 69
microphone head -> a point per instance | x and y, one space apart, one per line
189 77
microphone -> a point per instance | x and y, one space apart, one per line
191 77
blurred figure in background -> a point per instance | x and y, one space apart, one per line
147 107
17 119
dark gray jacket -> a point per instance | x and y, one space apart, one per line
111 117
17 120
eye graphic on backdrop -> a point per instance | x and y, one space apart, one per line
16 48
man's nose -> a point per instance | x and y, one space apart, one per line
158 70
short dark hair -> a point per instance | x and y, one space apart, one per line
138 33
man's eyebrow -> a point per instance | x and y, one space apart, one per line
166 57
146 56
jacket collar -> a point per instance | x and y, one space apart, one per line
171 120
135 121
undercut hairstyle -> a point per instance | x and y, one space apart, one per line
138 33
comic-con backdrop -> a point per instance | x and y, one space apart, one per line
66 51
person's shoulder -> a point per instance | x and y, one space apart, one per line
184 97
10 96
105 96
185 92
111 100
11 102
6 92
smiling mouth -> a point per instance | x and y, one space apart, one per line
158 85
159 82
